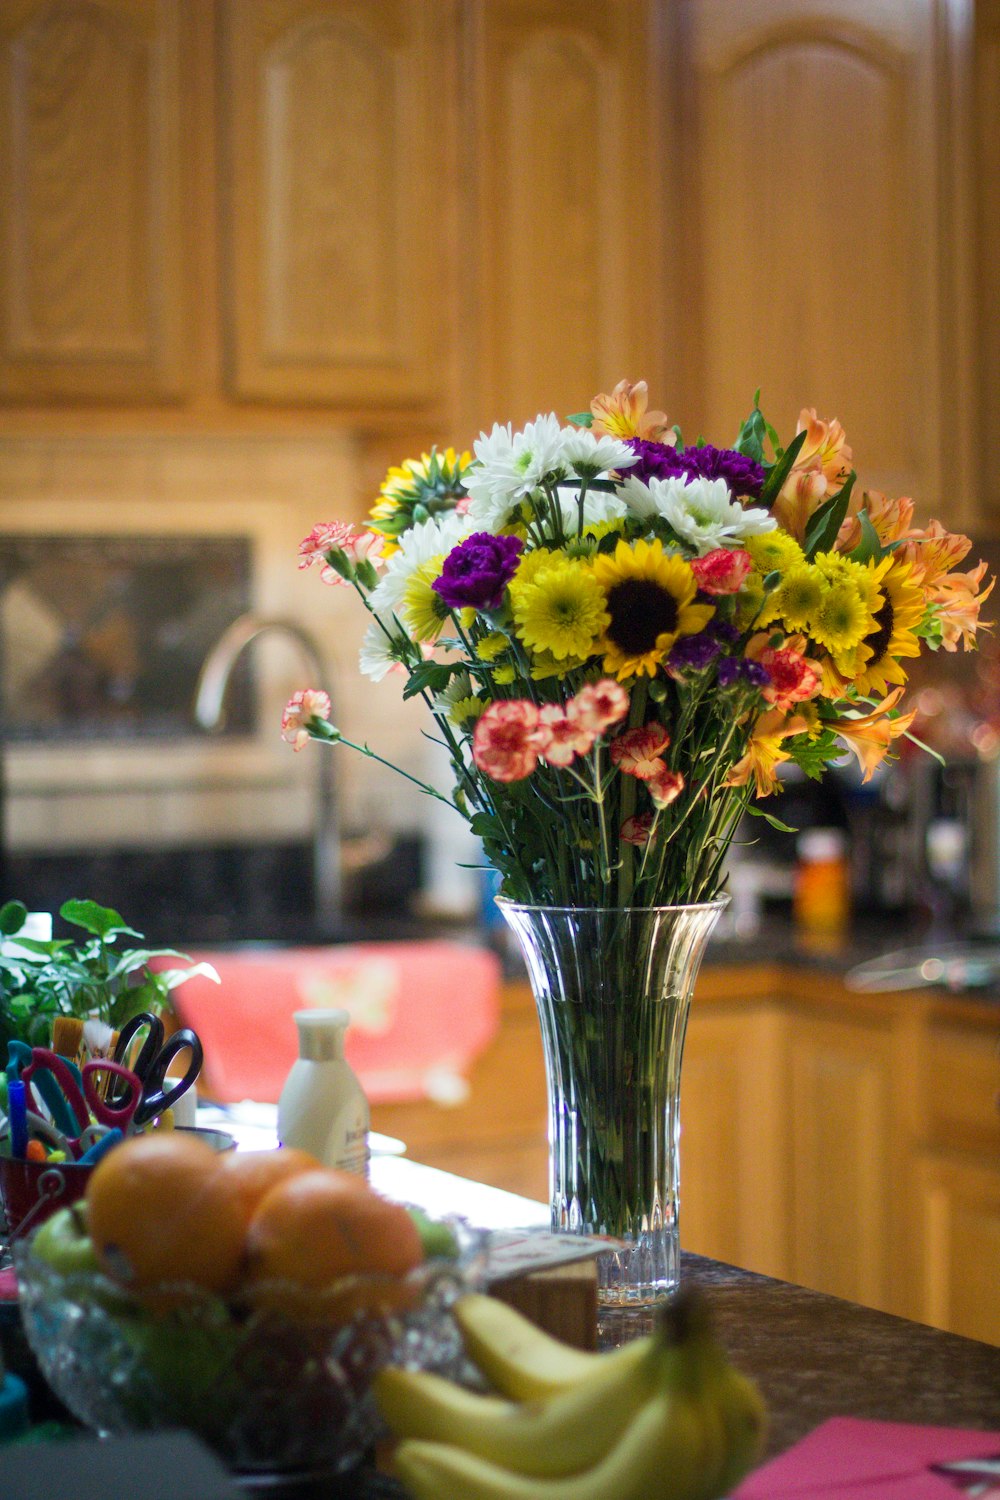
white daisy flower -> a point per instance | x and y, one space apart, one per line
433 538
598 506
588 456
701 511
508 466
381 649
458 688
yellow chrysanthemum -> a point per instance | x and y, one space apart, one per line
774 550
416 490
749 601
491 646
466 711
545 665
843 618
899 610
650 601
799 595
422 610
561 610
504 676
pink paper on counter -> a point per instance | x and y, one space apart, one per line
850 1459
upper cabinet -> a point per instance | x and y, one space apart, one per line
335 118
827 172
91 243
418 217
569 154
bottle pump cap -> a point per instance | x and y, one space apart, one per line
321 1034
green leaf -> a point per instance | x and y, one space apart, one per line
582 419
750 440
429 676
102 921
12 917
779 471
821 533
776 823
486 826
869 546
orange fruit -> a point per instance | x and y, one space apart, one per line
324 1230
160 1208
256 1172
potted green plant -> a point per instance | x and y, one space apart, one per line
92 977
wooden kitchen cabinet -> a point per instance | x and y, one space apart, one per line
339 198
830 169
958 1232
842 1158
93 184
735 1198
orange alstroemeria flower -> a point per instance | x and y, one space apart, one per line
820 470
934 552
891 518
869 736
957 602
623 415
764 753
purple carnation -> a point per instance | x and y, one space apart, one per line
733 669
693 653
723 631
658 461
477 571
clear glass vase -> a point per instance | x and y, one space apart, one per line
613 988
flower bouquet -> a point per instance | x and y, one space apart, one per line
621 638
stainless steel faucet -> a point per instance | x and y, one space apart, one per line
209 712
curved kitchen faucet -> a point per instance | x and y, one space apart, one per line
209 712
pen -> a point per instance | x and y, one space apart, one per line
17 1111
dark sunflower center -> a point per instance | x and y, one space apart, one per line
879 639
640 610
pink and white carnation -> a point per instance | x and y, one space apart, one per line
636 829
637 752
505 742
722 571
560 737
356 544
665 788
599 705
301 708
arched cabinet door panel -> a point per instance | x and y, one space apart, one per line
335 117
92 253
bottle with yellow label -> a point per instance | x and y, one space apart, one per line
323 1109
821 903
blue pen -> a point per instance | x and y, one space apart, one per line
17 1112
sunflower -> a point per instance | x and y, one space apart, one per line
560 610
898 610
649 596
417 490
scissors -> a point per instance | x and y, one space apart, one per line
84 1098
154 1058
18 1058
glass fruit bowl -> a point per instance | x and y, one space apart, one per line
270 1390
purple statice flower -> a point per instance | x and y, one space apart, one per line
723 631
733 669
693 653
658 461
477 571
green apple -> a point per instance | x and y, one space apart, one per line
63 1242
438 1240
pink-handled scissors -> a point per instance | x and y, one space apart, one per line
85 1099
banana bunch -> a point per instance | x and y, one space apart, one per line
665 1417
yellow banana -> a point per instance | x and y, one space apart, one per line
523 1362
569 1432
661 1455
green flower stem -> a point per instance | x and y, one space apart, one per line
341 739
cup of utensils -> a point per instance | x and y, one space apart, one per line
59 1113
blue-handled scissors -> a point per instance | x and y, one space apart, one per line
85 1098
152 1061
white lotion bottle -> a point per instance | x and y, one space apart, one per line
323 1109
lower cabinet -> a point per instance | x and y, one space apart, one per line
734 1188
958 1231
